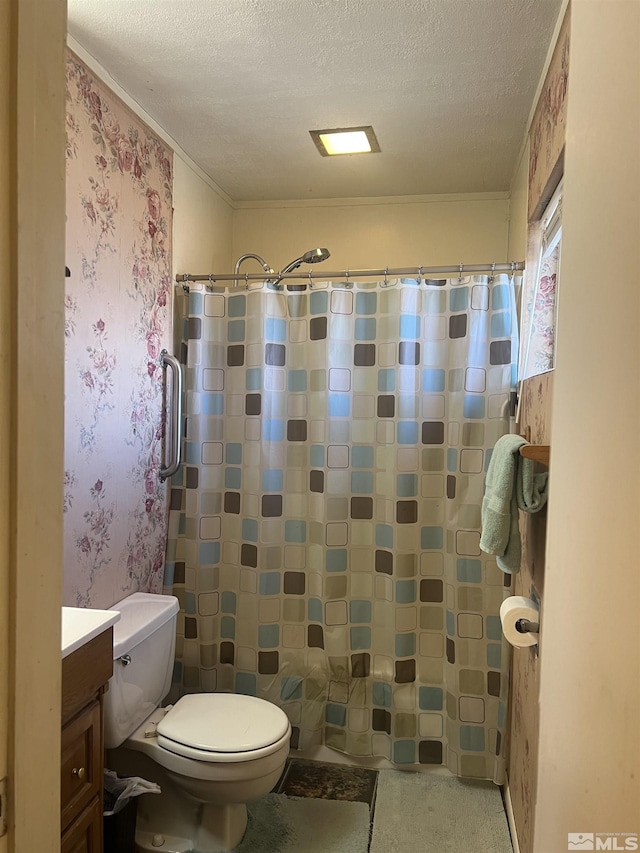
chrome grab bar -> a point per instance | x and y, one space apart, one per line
175 413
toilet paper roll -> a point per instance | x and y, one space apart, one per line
511 610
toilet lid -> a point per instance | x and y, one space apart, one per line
223 722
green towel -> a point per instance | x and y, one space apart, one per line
511 485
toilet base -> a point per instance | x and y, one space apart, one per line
184 823
219 828
171 843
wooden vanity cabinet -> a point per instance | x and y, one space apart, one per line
85 674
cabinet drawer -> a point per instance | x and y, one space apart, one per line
85 834
81 774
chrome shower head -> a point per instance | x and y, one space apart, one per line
313 256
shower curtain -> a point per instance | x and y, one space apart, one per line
324 526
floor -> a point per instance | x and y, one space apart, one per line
329 782
302 778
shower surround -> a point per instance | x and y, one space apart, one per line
324 528
118 248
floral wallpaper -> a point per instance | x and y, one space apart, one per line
117 313
547 131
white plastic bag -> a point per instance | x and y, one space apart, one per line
122 790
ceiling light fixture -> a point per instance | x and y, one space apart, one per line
345 140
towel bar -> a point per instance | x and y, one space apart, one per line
537 452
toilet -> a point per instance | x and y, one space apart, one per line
211 753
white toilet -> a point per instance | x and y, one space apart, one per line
211 753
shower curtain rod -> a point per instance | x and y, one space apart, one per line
418 272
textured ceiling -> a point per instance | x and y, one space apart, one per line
446 84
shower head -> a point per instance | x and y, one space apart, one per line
313 256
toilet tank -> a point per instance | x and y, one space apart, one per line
144 642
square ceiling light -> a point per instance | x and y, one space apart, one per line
345 140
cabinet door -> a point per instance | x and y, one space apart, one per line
85 834
81 769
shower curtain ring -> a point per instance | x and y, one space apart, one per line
310 281
460 271
420 275
493 272
346 274
246 281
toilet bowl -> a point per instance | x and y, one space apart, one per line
211 753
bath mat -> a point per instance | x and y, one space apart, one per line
328 781
280 824
437 814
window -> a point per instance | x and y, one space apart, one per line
541 291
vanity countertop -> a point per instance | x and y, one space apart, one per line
80 624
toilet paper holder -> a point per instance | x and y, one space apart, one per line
525 626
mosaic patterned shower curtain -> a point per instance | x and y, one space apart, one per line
324 526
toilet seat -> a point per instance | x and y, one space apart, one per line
223 727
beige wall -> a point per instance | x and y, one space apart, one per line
202 223
517 237
589 756
5 380
33 358
375 233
